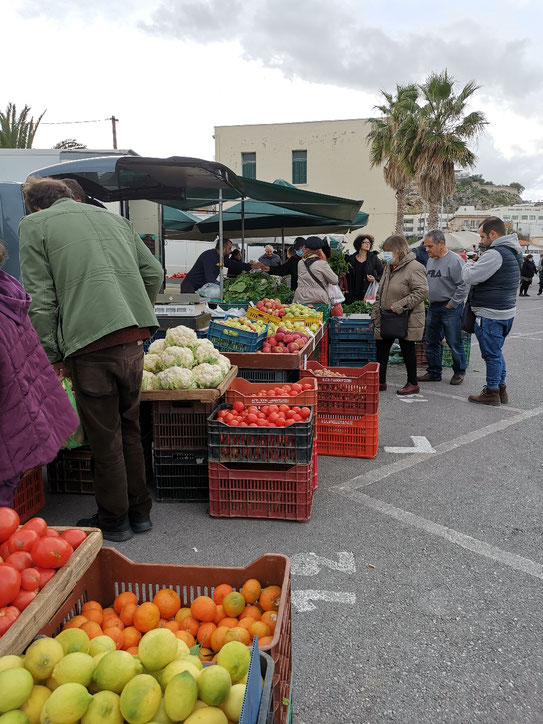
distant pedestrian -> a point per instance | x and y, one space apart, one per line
540 279
527 273
494 280
290 267
421 255
269 257
447 292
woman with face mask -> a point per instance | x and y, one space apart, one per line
290 267
402 290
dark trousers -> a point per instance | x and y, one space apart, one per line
7 492
524 286
409 355
540 287
187 287
444 322
107 391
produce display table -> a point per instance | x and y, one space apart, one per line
272 361
52 595
195 395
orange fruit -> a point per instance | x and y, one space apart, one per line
247 622
91 606
131 637
251 590
92 629
258 628
93 614
238 634
265 641
76 622
214 659
116 634
220 592
132 650
185 636
181 614
168 602
228 622
220 614
205 654
122 599
127 614
108 612
113 621
146 617
270 598
205 632
252 611
172 626
161 623
270 619
233 603
203 608
190 624
217 638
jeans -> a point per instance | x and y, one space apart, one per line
442 322
409 355
491 334
107 391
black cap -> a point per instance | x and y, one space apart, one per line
299 243
313 242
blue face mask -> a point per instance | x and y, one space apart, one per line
299 252
388 256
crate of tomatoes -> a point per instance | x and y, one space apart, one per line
250 393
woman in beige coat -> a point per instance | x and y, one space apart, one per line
403 287
314 274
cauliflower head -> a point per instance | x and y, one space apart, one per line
152 363
224 363
177 357
157 346
176 378
180 337
208 376
204 351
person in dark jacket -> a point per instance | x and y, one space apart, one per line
540 280
36 417
366 268
205 269
527 273
236 265
421 255
290 267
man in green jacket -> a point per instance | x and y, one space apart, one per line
93 283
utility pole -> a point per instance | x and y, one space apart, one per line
114 121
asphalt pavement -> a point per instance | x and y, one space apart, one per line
418 581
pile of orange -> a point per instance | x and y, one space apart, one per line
211 622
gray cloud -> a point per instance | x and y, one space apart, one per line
75 8
527 169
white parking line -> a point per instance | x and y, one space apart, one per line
426 391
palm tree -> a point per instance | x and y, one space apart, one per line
384 143
17 130
436 140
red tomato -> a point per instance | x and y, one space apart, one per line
305 412
296 409
272 424
238 406
284 408
19 560
9 522
228 418
51 552
23 598
297 418
221 414
30 579
10 583
4 551
234 423
251 417
37 524
296 388
22 540
52 533
74 536
307 386
253 424
290 414
265 409
8 616
273 417
274 408
45 575
252 409
243 424
289 422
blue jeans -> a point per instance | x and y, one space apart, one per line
442 322
491 334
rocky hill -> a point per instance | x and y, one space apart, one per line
471 190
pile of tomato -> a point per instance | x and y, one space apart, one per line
285 390
264 416
29 557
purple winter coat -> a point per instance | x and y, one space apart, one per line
36 417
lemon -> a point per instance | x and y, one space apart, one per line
14 717
193 660
34 704
160 716
67 704
140 699
105 708
10 662
182 648
177 667
41 658
180 696
15 687
207 715
235 657
233 702
114 671
214 685
157 648
76 667
74 639
101 644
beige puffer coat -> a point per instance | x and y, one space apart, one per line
310 291
403 287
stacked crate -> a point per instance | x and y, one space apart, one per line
347 409
352 342
446 357
262 472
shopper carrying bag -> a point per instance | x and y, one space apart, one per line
315 276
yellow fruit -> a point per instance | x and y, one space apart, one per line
161 717
235 657
199 705
140 699
115 670
67 704
233 702
178 667
213 685
207 715
182 649
157 648
100 656
34 704
14 717
41 658
193 660
180 696
233 603
76 667
15 687
51 684
10 662
100 644
73 639
105 708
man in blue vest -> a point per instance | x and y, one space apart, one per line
494 281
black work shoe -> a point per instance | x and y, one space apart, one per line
139 523
117 534
429 378
457 379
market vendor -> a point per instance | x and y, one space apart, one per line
206 268
290 267
236 265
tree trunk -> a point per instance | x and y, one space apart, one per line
433 215
400 210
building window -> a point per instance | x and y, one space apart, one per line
532 218
514 218
299 167
248 165
524 218
472 224
540 218
507 216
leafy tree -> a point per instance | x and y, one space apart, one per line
69 143
17 130
518 187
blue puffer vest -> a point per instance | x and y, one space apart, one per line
500 290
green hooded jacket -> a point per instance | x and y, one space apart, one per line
88 273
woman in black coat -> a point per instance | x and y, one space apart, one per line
365 268
526 275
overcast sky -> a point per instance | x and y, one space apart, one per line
170 71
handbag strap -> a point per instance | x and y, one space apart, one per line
321 285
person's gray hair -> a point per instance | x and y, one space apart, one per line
436 235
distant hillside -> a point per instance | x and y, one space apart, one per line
470 191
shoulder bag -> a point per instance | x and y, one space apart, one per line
393 325
333 291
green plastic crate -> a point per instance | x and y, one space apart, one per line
446 356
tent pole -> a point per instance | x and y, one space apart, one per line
283 245
221 246
243 228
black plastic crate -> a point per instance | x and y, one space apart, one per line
181 476
72 471
274 376
180 424
270 445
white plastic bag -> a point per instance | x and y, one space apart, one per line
371 292
210 291
335 294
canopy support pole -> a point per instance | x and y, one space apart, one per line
221 246
283 245
243 228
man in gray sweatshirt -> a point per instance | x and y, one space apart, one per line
447 292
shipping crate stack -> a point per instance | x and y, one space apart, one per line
446 357
351 342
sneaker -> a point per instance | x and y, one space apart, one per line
408 389
504 397
487 397
382 386
117 534
139 523
429 378
457 379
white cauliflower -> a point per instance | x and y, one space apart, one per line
152 363
224 363
180 337
206 352
208 376
147 380
177 357
157 346
176 378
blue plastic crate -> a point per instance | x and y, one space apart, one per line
273 376
343 328
352 350
161 334
358 362
231 339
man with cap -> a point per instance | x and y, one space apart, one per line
314 274
290 267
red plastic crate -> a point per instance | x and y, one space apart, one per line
420 349
29 496
72 471
323 349
269 491
357 393
181 425
349 437
244 391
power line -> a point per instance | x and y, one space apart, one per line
62 123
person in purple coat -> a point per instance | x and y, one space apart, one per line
36 417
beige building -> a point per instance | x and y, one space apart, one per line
330 157
467 217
